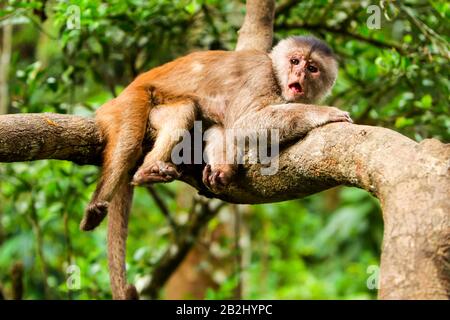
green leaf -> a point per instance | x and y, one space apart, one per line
426 101
192 7
402 122
407 38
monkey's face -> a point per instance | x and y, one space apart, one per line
309 76
305 67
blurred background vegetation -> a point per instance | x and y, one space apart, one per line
321 247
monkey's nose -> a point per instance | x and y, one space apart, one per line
303 63
300 77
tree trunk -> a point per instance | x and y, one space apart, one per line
5 59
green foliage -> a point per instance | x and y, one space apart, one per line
319 247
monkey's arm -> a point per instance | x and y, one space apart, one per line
292 120
225 147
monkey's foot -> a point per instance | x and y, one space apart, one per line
94 215
337 115
159 171
217 178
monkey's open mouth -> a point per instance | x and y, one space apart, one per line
295 88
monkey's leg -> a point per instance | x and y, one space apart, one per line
220 167
119 209
170 121
124 144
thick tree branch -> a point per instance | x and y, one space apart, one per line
412 181
49 136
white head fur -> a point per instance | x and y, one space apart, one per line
315 49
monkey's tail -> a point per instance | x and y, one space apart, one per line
119 209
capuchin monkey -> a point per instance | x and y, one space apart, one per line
228 90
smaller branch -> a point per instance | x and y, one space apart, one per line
176 252
343 32
285 7
428 32
33 218
17 281
38 26
5 59
67 236
164 210
237 247
164 189
210 22
68 243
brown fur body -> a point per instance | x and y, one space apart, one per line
240 89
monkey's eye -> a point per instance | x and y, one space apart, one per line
295 61
312 69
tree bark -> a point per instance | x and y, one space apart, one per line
411 180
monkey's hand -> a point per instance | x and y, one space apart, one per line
331 114
217 177
159 171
